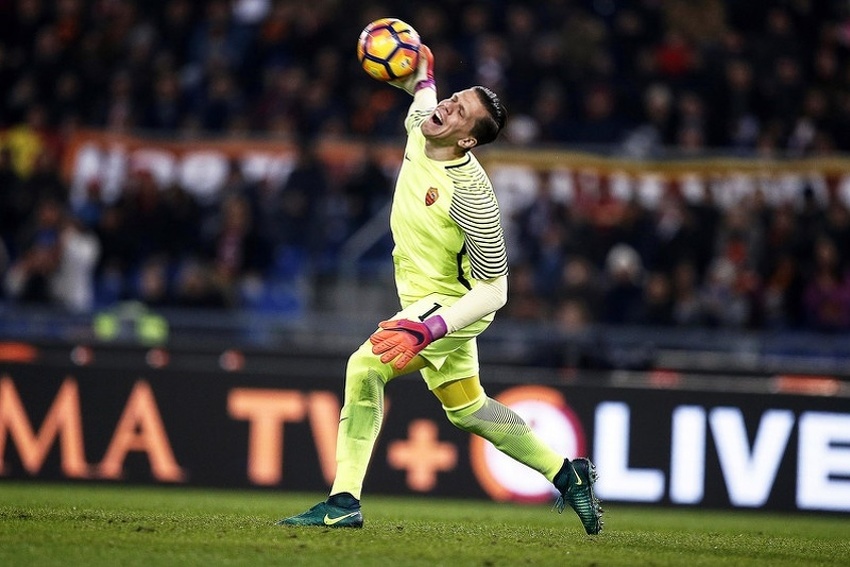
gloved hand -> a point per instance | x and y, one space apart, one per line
403 339
423 77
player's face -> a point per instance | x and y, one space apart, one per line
452 120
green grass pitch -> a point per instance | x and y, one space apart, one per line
86 524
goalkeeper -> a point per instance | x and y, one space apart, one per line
451 275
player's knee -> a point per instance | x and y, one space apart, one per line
455 419
463 417
364 396
363 365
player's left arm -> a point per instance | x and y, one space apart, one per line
477 214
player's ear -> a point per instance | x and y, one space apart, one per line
467 143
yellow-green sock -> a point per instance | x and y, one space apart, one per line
509 433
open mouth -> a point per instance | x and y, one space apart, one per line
436 118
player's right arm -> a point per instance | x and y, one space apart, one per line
420 83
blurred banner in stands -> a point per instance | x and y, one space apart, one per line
241 419
202 166
199 165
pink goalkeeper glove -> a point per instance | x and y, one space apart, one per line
403 339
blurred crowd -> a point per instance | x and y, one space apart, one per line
639 77
767 75
683 263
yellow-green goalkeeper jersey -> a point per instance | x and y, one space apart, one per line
445 222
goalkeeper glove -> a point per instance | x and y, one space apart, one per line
423 77
403 339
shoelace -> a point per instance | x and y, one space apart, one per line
582 509
560 504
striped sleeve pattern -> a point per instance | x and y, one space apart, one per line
475 209
415 117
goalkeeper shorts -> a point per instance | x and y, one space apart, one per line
453 357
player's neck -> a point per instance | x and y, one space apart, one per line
443 153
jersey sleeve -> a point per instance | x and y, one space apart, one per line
476 212
423 104
415 117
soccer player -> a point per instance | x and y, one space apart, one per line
451 276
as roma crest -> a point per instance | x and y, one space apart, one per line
431 196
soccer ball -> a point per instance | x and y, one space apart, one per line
388 49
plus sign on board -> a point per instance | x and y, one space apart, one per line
422 455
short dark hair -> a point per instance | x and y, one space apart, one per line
487 128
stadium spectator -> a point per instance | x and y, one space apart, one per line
723 300
827 296
14 203
655 130
656 307
368 189
117 258
236 248
73 286
27 280
146 218
581 286
526 303
153 288
622 300
197 288
166 106
687 311
544 236
296 204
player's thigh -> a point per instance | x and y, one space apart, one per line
459 393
